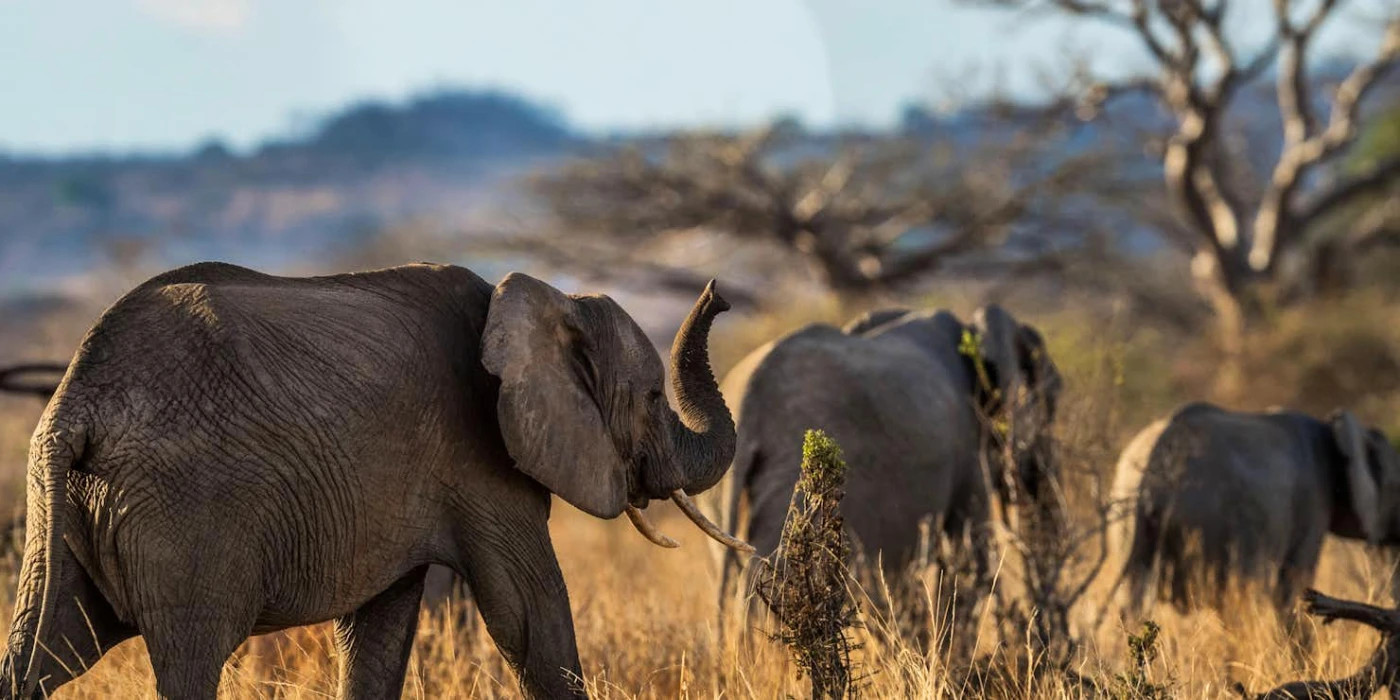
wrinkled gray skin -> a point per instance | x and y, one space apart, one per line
232 453
1215 497
903 403
443 591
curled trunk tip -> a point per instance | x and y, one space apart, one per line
711 296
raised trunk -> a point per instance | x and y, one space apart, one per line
704 434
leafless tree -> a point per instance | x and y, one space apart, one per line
1242 235
865 213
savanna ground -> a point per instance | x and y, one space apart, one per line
646 617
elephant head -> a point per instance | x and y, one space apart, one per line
1022 397
582 407
1371 468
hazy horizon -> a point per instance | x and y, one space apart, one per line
164 75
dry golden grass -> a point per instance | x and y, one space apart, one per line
646 617
646 627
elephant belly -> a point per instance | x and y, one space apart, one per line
264 551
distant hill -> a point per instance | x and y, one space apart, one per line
445 157
438 156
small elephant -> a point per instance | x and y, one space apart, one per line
232 453
912 407
1214 497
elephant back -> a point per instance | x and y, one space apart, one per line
896 407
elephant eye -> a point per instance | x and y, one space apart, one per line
654 395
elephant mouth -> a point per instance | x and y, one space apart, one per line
691 511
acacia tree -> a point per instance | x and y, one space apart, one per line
1243 233
865 214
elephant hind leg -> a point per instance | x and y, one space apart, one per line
376 639
188 647
82 629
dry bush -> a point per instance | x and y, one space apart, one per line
806 584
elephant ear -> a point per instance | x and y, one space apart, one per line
1361 481
549 419
1039 370
1000 337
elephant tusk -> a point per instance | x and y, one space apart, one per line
688 507
649 531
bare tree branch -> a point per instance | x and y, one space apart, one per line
1239 230
865 215
1349 190
1276 222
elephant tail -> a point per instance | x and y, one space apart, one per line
53 455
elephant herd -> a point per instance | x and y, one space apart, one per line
231 453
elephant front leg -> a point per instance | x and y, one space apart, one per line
375 641
522 599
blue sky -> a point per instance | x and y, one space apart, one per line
163 74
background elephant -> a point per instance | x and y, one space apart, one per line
232 453
1214 497
906 406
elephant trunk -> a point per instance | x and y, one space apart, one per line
703 434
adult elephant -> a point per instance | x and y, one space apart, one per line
232 453
914 410
1215 497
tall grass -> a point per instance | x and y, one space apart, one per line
646 617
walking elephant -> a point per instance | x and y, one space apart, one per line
914 411
232 453
1216 497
